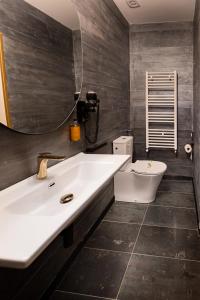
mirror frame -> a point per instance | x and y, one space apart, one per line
4 83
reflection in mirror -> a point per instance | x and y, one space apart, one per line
4 109
41 56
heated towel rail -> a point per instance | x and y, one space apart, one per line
161 110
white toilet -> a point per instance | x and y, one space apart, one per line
139 181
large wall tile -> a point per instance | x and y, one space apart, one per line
162 47
197 103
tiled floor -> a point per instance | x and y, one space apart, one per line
140 252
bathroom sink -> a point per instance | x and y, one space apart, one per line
78 180
31 213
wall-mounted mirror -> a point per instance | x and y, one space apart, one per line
41 63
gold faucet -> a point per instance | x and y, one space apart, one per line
42 163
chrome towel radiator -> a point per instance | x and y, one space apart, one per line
161 110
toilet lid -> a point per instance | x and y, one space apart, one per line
149 167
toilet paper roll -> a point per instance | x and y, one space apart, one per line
188 148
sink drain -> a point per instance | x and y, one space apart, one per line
66 198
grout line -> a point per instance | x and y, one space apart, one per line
108 250
128 264
176 180
120 222
167 257
130 203
174 192
177 192
171 206
145 254
132 252
140 228
92 296
179 179
163 226
152 204
150 225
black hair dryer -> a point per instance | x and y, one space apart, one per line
92 101
85 110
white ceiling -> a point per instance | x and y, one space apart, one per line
62 11
157 11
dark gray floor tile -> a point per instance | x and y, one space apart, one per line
128 204
174 199
59 295
114 236
161 241
126 212
176 186
96 272
153 278
172 217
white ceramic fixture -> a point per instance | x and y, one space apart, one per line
31 215
139 181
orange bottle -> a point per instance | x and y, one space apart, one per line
75 131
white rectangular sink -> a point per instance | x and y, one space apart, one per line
31 215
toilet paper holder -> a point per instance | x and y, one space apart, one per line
188 149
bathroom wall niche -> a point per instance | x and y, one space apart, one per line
41 63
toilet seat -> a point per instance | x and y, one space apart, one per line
147 167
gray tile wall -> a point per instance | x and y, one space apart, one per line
40 67
162 47
197 103
106 60
77 58
106 63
